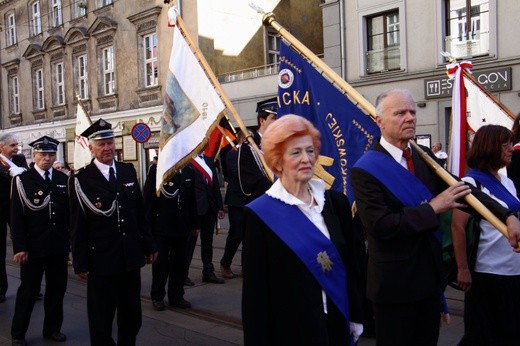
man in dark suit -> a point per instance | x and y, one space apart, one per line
40 232
173 218
400 213
11 165
111 239
209 207
253 180
235 200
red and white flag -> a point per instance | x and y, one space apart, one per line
471 108
82 155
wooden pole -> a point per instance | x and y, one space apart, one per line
367 107
211 76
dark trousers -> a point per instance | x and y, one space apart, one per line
408 324
170 267
235 235
105 295
3 249
31 273
491 310
207 227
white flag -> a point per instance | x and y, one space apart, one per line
472 108
82 155
482 110
192 108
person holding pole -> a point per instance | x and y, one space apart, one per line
491 279
399 200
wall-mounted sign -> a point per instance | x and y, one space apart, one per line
498 79
141 133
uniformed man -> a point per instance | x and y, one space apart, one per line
110 239
253 179
40 233
11 165
173 217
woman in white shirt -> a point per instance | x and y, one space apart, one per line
301 278
492 287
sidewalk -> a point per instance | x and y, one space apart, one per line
215 317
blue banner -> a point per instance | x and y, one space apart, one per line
346 132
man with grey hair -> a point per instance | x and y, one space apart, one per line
399 199
111 239
11 165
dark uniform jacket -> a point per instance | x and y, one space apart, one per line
108 244
208 198
404 256
43 232
234 196
5 185
253 180
174 212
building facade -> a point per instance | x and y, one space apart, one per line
113 55
381 44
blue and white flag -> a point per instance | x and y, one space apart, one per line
346 131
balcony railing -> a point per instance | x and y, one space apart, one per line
476 45
250 73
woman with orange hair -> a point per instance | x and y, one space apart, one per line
301 283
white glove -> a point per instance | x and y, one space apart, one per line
14 171
356 329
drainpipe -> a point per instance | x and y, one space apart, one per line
342 38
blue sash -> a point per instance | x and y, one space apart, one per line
309 244
496 188
403 184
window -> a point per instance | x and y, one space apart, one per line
273 47
102 3
36 18
79 8
467 35
59 84
38 89
56 16
151 66
81 77
383 45
108 69
10 30
14 98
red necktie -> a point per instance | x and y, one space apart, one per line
409 162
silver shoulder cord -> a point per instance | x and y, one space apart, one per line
238 166
167 194
83 200
25 199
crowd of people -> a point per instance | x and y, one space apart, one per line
308 266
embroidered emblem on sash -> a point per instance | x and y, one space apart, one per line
324 260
